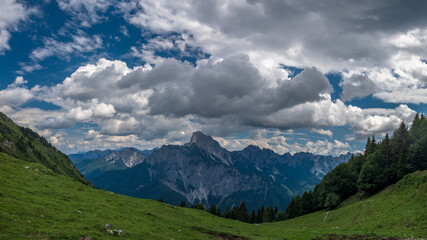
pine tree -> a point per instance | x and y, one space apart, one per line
199 206
218 212
227 212
212 209
259 216
242 213
400 147
368 146
183 204
271 215
307 202
267 214
386 149
373 145
252 218
280 216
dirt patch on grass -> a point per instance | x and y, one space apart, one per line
39 236
355 237
418 173
227 236
221 235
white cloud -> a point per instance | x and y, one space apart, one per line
417 96
80 43
11 14
323 132
301 34
80 114
280 145
116 99
85 12
15 94
4 40
104 110
325 147
412 38
56 139
119 100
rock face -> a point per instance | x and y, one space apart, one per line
210 148
94 163
129 156
203 171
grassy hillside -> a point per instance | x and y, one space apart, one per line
25 144
40 204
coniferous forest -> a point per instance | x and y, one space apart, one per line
381 164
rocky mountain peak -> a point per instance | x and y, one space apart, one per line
129 156
252 148
211 147
201 138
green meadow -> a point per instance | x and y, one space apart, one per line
36 203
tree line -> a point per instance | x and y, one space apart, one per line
263 214
380 165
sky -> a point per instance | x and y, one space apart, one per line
292 76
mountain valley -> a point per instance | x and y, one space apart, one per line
202 171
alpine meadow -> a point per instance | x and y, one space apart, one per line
213 119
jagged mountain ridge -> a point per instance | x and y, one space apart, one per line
93 163
202 170
128 156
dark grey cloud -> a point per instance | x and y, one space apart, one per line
232 87
357 86
166 71
328 32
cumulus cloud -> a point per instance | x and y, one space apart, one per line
220 97
238 82
15 94
328 133
412 38
357 86
78 114
364 39
258 26
325 147
380 121
231 87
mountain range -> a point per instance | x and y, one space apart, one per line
203 171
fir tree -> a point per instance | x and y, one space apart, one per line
212 209
252 218
242 213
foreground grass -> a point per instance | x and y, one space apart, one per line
44 205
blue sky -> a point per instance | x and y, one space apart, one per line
291 76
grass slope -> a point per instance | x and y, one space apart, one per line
44 205
25 144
